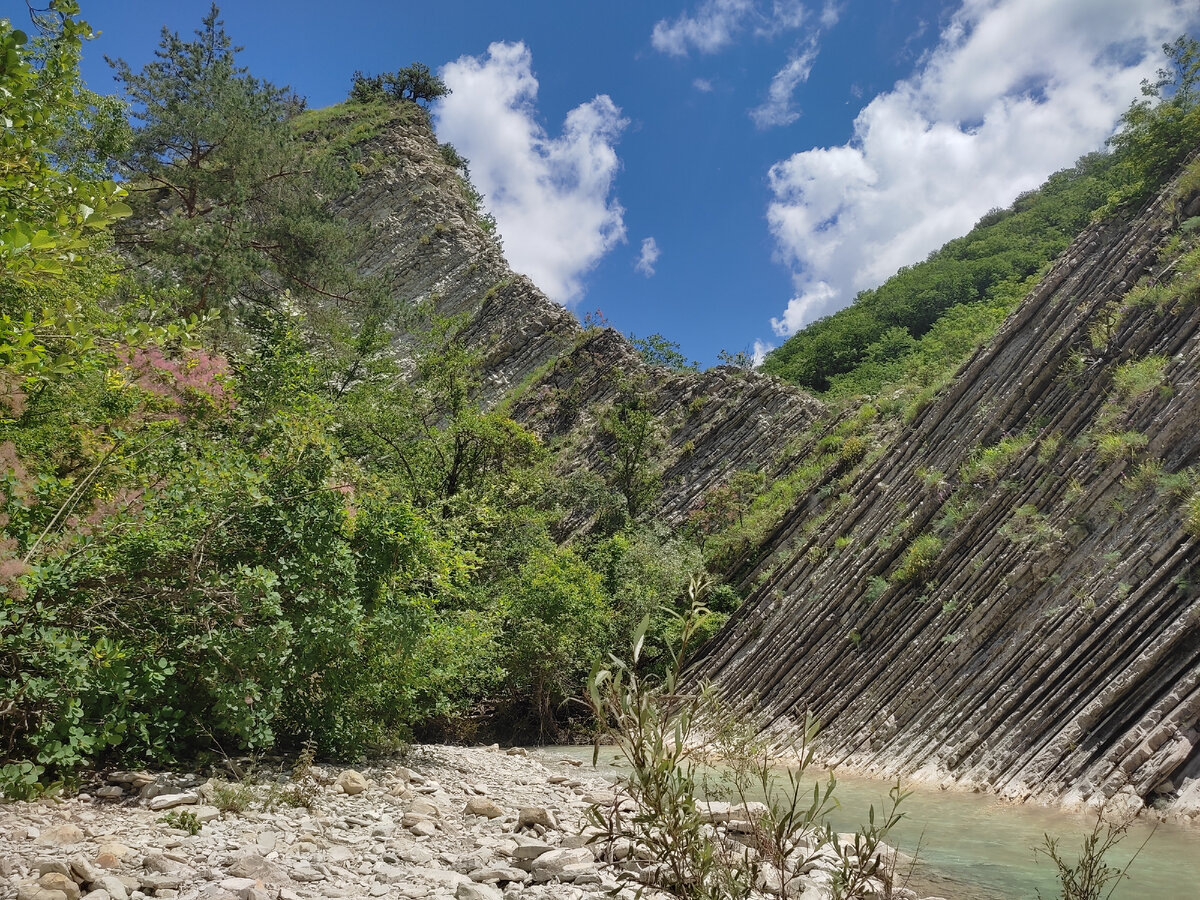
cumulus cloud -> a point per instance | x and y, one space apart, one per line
778 108
648 257
703 85
1014 90
551 196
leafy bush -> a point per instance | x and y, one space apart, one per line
919 559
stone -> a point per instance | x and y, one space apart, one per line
536 815
106 860
111 792
351 782
34 891
57 881
60 836
305 872
556 862
120 851
423 828
482 806
161 882
46 865
82 869
115 887
472 891
530 848
423 807
494 874
239 887
170 801
254 866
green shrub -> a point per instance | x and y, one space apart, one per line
1140 376
919 559
184 820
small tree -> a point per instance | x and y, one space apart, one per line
636 470
415 83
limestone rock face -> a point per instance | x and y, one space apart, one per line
1046 641
556 377
1046 646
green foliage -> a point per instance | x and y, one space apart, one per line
1120 445
1140 376
558 622
1191 514
666 735
637 441
48 214
1090 877
656 350
988 464
978 278
184 820
415 83
226 201
919 559
916 328
1160 129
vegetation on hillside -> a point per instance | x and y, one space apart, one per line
229 520
913 331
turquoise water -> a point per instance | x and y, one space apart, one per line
975 847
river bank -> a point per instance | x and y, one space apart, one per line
443 822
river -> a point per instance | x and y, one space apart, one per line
976 847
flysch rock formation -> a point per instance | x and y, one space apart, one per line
1049 646
1014 601
558 377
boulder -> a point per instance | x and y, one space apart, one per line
351 782
482 806
536 815
60 836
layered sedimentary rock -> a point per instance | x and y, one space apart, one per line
1007 596
558 377
1002 594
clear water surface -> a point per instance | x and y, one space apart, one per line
977 847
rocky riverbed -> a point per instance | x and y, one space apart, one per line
444 822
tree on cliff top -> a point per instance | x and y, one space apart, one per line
225 200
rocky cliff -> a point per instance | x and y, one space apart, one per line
1001 593
1008 597
558 378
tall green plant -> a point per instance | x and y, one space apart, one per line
667 739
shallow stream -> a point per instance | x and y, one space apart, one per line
975 847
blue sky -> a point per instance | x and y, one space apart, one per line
719 171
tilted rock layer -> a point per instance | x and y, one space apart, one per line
1004 595
1014 603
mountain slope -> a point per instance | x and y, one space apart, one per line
1007 597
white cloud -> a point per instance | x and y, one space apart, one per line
703 85
717 23
761 349
1014 90
778 109
648 257
551 196
712 27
